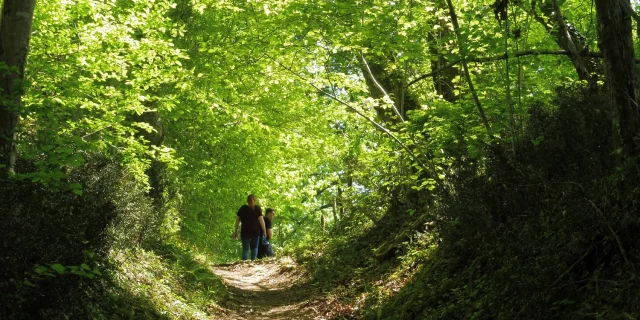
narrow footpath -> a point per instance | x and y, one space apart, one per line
267 289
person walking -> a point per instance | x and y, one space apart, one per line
249 216
265 249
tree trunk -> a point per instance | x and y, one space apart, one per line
341 211
156 171
393 83
335 210
568 38
462 48
15 32
615 39
442 80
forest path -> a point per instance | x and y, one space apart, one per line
266 289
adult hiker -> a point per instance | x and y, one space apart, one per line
250 217
265 249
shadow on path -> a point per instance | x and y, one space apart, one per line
270 288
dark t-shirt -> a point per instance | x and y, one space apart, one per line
267 225
249 224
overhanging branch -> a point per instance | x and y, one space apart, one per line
366 64
352 108
504 57
322 207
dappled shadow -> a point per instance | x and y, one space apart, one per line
49 225
265 289
122 304
197 277
365 258
376 247
540 236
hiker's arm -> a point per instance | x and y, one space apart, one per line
269 234
235 234
261 219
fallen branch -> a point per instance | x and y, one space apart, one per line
566 272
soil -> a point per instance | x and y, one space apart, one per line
267 289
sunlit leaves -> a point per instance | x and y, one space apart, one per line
231 82
93 64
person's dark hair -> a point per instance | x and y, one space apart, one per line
251 196
270 210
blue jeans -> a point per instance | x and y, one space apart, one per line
249 243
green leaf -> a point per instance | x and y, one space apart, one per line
76 188
75 160
60 269
537 140
28 283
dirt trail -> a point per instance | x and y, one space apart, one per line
272 289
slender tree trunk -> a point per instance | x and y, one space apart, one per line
443 80
335 210
615 39
156 171
461 44
15 32
341 211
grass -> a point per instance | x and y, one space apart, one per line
171 283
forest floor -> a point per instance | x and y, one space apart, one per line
267 289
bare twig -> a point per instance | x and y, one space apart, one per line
92 133
613 233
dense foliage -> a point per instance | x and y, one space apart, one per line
439 159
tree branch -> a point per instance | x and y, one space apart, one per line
375 124
386 95
504 57
424 76
322 207
627 8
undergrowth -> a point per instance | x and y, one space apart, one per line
98 255
174 284
547 230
